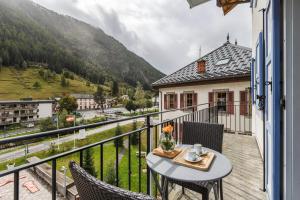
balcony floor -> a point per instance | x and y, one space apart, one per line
246 179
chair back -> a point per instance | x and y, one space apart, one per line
208 134
90 188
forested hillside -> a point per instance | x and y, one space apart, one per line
31 34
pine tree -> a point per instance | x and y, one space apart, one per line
115 88
134 137
111 174
88 162
118 132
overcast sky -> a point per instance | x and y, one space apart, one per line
167 33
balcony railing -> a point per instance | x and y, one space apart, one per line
150 131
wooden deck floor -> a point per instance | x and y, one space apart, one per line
246 179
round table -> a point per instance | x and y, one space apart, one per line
220 168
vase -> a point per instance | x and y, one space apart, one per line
167 142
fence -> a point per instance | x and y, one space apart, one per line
150 131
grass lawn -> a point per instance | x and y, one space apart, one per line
109 153
17 83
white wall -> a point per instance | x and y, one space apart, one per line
202 91
45 110
292 93
257 27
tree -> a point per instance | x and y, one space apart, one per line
111 174
62 119
68 103
139 96
64 82
99 97
47 124
149 103
36 85
88 162
118 132
134 137
130 106
115 88
24 64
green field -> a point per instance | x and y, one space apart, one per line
18 83
109 156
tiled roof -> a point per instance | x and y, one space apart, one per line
83 96
238 66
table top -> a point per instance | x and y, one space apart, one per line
220 167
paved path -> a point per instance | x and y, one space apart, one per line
46 145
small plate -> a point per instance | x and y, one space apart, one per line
204 152
192 161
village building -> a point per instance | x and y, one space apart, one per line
220 78
24 111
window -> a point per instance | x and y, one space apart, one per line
221 101
170 101
223 61
188 99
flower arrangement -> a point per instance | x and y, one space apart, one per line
167 143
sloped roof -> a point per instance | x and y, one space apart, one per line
238 66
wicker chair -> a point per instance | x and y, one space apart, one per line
90 188
211 136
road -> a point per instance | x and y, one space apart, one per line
46 145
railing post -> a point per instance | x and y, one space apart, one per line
80 158
53 179
148 124
16 185
193 114
208 114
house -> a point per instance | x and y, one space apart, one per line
87 102
275 94
24 111
220 78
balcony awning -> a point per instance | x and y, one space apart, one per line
226 5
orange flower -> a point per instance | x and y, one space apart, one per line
168 129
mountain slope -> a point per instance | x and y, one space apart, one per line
19 83
64 42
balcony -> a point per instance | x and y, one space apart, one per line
128 161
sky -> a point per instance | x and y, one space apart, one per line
166 33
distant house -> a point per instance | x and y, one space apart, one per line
220 78
24 111
87 102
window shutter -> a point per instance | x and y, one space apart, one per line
195 101
211 99
230 102
165 101
175 101
181 100
243 103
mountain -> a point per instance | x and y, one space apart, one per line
30 33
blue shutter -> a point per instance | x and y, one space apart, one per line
261 65
252 81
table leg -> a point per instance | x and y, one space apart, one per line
163 187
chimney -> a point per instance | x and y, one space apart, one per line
201 68
235 42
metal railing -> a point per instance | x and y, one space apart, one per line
152 131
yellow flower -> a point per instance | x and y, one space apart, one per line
168 129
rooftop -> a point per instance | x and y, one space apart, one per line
226 62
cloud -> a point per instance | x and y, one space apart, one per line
166 33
